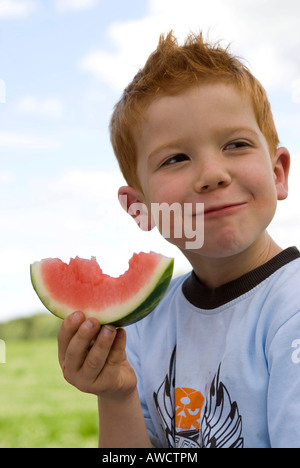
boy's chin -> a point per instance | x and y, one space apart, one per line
214 250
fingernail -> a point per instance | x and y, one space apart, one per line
108 330
76 316
89 324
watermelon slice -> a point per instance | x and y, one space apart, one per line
81 285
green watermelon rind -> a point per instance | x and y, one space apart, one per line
124 317
149 304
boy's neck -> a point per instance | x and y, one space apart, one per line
214 272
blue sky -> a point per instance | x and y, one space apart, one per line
63 65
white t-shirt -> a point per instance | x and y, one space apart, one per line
221 368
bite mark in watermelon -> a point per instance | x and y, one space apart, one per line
81 285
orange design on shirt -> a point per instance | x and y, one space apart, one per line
188 405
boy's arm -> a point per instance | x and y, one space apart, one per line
93 359
122 424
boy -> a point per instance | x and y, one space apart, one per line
217 364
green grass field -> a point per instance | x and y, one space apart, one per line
38 408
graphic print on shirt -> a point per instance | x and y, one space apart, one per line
189 420
165 404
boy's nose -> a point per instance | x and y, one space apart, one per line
211 177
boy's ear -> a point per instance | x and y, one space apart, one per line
281 172
131 201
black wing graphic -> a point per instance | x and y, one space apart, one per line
221 425
164 401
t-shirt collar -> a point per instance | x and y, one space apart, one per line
205 298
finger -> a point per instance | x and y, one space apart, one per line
117 353
66 332
79 344
97 356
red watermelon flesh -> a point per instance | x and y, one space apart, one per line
81 285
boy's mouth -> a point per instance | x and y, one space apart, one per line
222 209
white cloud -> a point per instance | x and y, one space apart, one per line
78 201
13 258
273 68
47 107
133 41
63 6
10 9
296 91
84 188
2 92
6 177
267 38
286 224
23 141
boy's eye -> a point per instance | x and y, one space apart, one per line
177 158
236 145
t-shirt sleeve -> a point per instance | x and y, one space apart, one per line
283 356
133 356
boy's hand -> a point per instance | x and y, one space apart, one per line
93 357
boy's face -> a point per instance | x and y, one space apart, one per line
205 146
